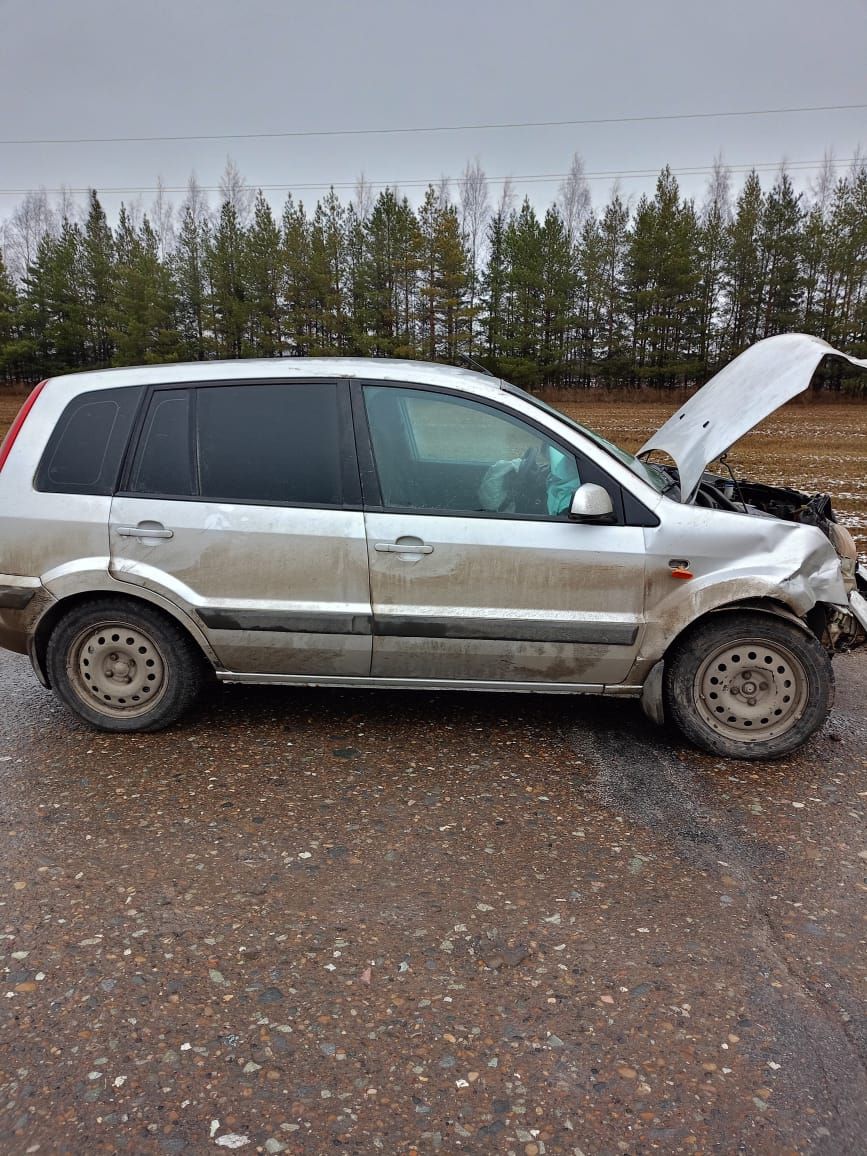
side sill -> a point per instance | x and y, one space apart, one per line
428 684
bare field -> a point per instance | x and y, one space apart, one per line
818 447
9 406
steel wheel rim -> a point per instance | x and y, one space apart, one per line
117 669
751 690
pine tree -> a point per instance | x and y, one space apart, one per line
226 263
189 268
297 297
390 254
742 277
664 285
144 330
356 295
493 293
524 291
590 258
54 313
846 295
713 234
407 267
614 237
780 241
330 326
814 268
264 274
640 286
443 279
557 305
97 282
427 223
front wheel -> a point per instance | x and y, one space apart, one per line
122 667
748 685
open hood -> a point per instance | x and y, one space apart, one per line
742 394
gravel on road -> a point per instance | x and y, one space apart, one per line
313 921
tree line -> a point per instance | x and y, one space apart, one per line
657 292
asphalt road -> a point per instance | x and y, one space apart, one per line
314 921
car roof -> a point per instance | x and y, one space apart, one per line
284 369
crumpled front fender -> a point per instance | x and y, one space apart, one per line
791 565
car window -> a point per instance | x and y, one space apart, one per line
437 451
652 474
270 443
84 452
163 464
251 443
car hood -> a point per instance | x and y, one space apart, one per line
746 391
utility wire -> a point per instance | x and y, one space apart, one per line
440 128
416 182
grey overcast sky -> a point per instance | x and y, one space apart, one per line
125 68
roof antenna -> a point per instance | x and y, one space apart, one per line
471 363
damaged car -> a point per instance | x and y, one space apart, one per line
379 523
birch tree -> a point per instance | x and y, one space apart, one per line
573 199
31 221
474 210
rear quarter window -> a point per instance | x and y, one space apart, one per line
164 462
84 453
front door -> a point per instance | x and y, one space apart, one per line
476 571
238 507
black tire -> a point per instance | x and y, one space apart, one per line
748 685
124 666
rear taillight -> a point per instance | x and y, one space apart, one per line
15 429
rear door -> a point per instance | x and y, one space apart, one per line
241 504
476 571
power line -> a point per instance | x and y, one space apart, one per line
417 182
440 128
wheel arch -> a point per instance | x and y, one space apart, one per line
651 693
762 606
795 706
38 642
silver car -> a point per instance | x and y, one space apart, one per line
390 523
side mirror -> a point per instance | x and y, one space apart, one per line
591 503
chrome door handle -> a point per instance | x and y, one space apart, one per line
143 532
402 548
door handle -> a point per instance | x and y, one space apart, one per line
144 531
402 548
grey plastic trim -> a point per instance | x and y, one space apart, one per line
16 597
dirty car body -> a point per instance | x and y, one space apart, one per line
385 523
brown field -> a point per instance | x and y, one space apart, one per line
814 446
9 406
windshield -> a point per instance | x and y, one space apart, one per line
649 473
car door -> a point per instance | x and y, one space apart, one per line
476 571
241 505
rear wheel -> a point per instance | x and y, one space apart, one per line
122 667
748 685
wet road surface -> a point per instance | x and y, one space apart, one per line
314 921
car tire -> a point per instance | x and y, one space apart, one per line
124 667
748 685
